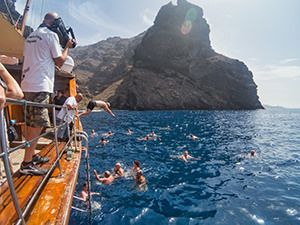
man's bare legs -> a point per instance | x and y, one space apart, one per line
32 132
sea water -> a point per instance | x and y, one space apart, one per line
225 186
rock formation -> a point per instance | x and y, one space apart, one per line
171 66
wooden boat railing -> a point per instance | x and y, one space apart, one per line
5 153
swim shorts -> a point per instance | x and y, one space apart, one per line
91 105
37 116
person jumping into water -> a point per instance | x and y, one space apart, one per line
92 104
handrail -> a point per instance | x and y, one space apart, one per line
7 169
84 135
5 153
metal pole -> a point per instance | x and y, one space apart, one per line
7 168
26 9
74 130
56 143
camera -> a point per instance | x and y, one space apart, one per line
58 27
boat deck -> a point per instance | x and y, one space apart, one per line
18 156
55 198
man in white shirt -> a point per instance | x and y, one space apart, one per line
42 52
67 116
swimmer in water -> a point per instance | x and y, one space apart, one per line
194 137
147 138
108 134
129 132
251 154
103 141
84 193
118 171
107 179
93 134
136 167
165 128
153 134
186 156
139 179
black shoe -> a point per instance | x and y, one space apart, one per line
39 159
32 169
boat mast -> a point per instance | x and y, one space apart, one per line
26 9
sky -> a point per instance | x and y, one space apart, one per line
264 34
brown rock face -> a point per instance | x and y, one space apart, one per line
170 67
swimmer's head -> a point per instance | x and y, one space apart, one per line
136 163
109 132
93 131
185 153
85 185
252 153
118 166
102 139
106 173
139 173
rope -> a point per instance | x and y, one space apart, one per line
13 22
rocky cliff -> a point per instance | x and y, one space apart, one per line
170 66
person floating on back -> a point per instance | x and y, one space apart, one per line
186 156
165 128
92 104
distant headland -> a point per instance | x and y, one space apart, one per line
171 66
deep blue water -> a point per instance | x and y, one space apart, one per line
224 187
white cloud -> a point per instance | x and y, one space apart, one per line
90 14
148 17
273 72
286 61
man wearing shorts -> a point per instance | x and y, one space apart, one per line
42 52
92 104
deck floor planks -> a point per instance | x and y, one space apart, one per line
26 188
53 201
18 181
